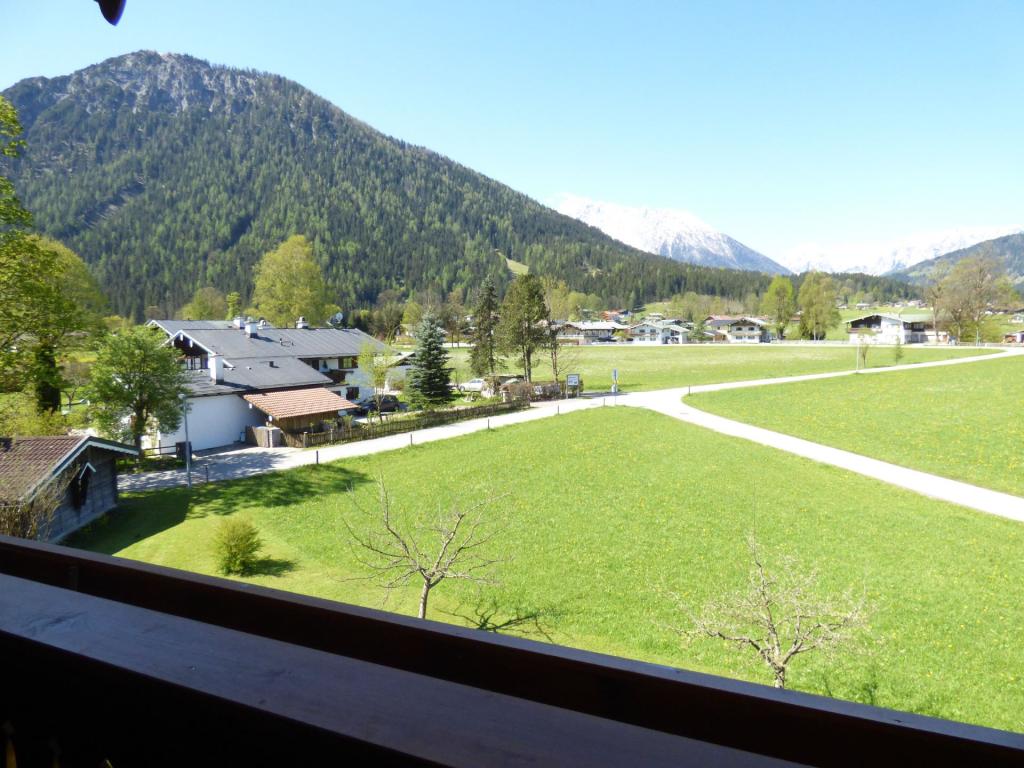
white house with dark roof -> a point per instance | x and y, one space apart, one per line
883 328
659 331
313 370
741 330
587 332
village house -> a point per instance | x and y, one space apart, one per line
739 330
658 331
587 332
79 471
245 374
904 328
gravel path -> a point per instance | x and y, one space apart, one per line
249 461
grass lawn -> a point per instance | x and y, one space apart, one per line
660 367
607 509
962 422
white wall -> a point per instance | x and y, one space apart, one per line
214 422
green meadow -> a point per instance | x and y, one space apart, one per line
962 422
661 367
604 512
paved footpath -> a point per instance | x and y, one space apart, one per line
670 402
249 461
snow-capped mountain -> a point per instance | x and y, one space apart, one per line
677 234
879 257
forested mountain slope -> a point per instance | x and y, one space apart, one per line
1008 250
166 173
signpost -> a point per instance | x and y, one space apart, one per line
615 386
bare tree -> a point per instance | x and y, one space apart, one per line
376 366
779 616
29 518
395 552
563 356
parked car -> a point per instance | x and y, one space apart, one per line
388 404
473 385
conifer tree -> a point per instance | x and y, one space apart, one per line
430 377
484 359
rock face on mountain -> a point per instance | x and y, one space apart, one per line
166 173
678 235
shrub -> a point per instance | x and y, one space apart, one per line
236 543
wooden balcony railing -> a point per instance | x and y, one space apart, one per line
108 659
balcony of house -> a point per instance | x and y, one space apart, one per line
113 660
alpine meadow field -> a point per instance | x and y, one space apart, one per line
643 368
962 422
602 513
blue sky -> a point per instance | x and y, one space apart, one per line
778 123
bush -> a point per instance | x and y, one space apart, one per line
237 542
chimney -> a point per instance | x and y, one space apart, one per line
250 329
216 364
301 323
238 321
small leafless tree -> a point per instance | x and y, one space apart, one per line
780 615
564 357
396 552
30 518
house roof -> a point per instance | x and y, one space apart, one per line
595 326
722 321
171 327
906 317
28 462
250 374
287 403
222 338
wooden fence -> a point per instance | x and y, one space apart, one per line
353 432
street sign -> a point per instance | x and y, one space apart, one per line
572 380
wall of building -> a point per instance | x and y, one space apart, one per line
99 498
214 422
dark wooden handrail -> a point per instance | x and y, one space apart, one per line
780 724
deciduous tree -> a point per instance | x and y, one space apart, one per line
375 365
779 616
779 304
207 303
523 327
398 549
137 383
290 285
972 287
818 310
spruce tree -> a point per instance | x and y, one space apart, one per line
484 359
430 377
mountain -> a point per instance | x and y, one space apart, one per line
678 235
1009 250
882 257
166 173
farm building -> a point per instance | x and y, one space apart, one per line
79 472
